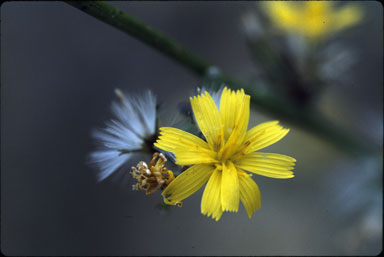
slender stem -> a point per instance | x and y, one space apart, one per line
269 103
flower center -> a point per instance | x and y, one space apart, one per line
232 151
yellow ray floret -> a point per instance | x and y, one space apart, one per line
234 113
249 194
187 183
207 117
221 160
209 203
188 148
229 188
268 164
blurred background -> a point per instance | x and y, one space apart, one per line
59 67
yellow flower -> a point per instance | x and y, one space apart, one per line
228 150
312 19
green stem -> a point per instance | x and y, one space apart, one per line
266 102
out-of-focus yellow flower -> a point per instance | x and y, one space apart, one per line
229 149
313 19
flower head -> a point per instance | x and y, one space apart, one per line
312 19
132 130
229 149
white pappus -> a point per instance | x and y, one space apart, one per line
216 95
131 130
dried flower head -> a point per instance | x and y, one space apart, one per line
152 176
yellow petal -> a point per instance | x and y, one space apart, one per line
283 13
234 114
208 118
268 164
317 19
347 16
188 148
319 8
255 130
234 111
227 114
264 135
249 194
191 156
187 183
229 188
211 201
180 138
